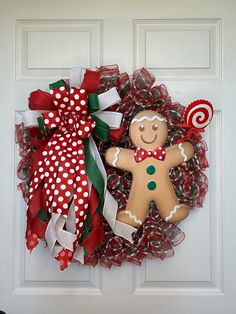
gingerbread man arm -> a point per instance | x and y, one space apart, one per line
177 154
121 158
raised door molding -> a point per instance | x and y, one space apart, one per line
47 49
179 48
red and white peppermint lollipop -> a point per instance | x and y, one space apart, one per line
198 114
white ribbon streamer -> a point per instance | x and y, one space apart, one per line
110 204
70 222
79 254
55 233
57 239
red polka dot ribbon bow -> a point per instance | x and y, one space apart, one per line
62 163
141 154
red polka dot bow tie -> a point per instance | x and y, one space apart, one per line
141 154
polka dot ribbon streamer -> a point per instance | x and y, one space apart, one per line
62 163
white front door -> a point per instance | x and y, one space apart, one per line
190 46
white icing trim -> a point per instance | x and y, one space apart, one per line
133 217
116 157
182 152
173 212
148 118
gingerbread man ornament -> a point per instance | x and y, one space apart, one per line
150 164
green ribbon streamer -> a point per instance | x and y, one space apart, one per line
41 124
102 129
94 174
97 180
42 215
59 84
93 104
87 227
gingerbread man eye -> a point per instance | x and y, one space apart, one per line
155 127
141 128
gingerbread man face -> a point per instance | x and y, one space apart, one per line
148 129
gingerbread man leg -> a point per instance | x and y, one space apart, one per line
168 205
132 215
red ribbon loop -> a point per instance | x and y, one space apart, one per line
91 81
40 100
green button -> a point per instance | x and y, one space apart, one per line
151 185
150 169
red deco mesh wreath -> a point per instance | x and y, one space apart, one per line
155 237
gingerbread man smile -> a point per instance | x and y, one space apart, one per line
148 142
150 165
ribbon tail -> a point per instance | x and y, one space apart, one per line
79 254
110 212
55 234
110 204
96 235
34 230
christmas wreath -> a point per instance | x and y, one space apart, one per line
74 195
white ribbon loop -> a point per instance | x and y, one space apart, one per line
29 117
76 76
113 119
109 98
